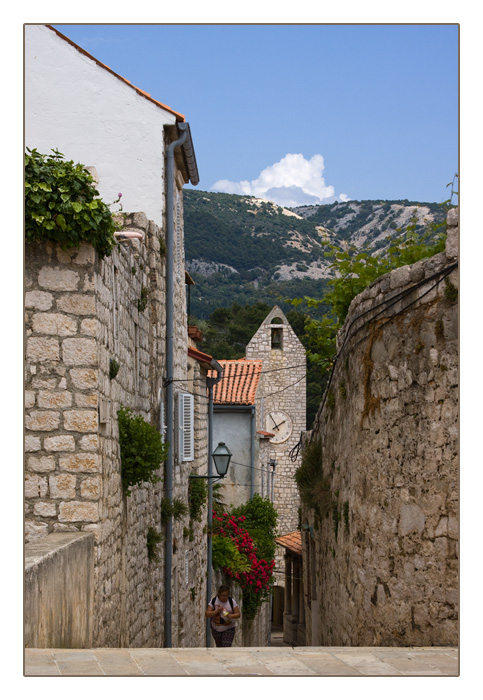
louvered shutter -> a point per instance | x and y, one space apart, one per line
186 437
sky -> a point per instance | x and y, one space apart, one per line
301 114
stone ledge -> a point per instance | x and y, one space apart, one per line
36 552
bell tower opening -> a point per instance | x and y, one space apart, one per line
277 333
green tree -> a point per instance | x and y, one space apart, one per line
354 270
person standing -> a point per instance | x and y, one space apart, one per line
223 611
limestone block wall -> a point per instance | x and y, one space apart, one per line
81 313
62 476
59 591
382 563
130 294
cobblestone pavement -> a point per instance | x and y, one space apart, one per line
245 661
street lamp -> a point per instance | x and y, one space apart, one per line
221 458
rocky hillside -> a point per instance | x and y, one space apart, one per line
242 249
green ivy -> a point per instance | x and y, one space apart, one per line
142 450
176 509
226 555
114 367
261 524
312 485
63 206
143 300
345 509
153 540
197 495
450 291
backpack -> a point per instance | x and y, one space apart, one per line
230 600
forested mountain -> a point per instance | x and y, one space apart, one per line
243 250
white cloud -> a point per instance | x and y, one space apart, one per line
291 182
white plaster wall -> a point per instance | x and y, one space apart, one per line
94 118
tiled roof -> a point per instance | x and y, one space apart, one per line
143 93
265 434
199 356
239 383
291 541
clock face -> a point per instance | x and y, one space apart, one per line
279 423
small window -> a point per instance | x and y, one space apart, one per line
277 335
276 321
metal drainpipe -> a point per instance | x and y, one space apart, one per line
252 452
170 374
210 382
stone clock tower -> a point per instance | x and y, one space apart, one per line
280 408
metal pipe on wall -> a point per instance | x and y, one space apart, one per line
252 452
183 127
210 382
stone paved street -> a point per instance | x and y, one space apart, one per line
245 661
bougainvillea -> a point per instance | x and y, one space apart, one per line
257 580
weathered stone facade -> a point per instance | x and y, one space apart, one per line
381 566
282 387
81 313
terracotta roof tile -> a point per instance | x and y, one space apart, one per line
291 541
199 356
239 383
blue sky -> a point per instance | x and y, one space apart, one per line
302 113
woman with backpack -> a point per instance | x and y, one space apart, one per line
223 611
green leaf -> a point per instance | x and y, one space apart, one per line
60 220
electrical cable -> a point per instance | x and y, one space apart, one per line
242 374
179 381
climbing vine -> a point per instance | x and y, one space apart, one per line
63 206
312 485
153 540
142 450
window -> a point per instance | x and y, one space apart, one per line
276 333
277 338
186 437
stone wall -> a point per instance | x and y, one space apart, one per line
59 591
82 312
381 565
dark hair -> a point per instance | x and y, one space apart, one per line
223 589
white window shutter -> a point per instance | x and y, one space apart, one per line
186 437
162 416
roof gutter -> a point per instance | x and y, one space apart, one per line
189 154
